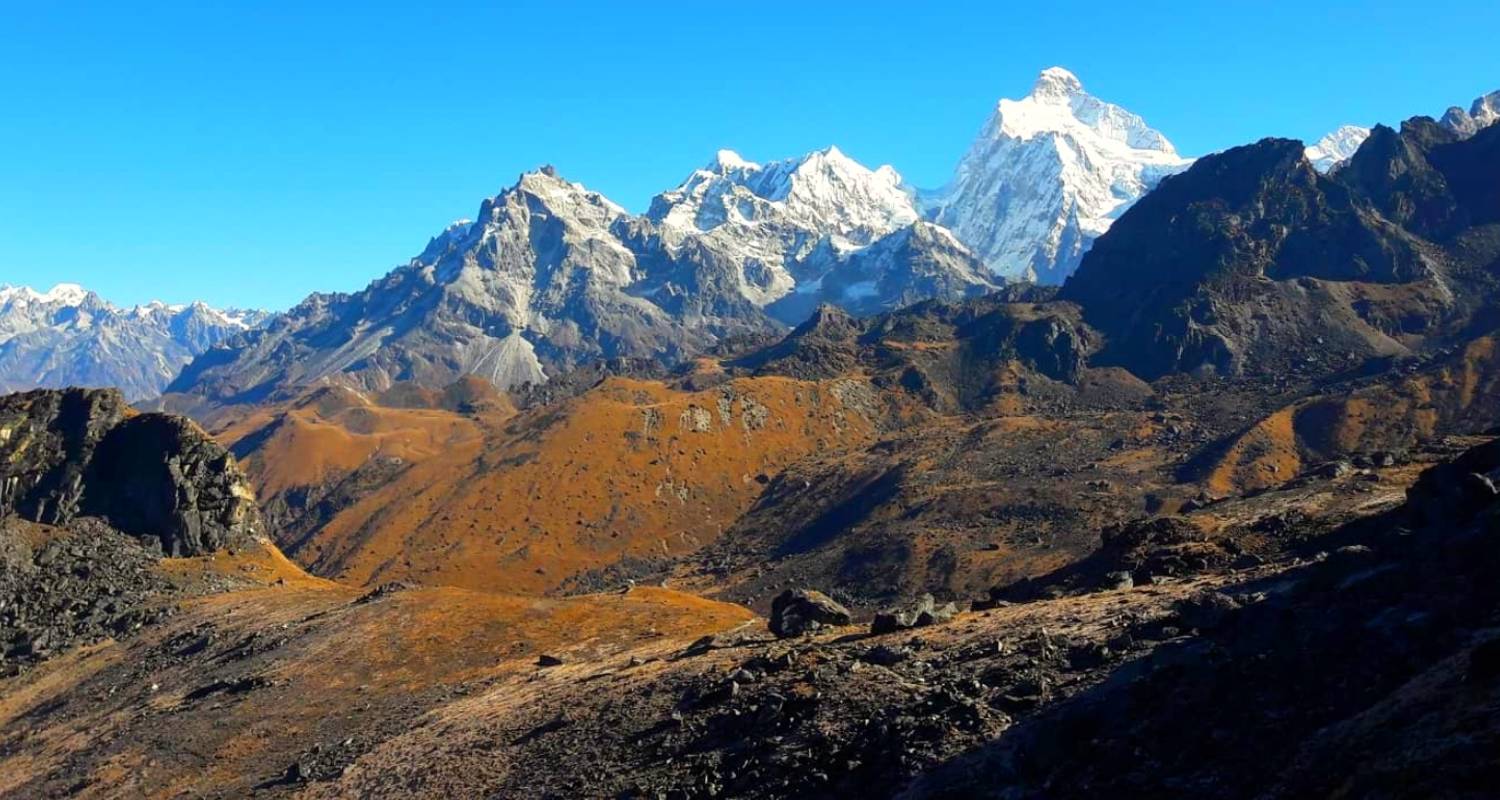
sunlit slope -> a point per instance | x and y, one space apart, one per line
627 470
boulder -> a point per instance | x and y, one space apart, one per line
1206 611
890 622
925 612
1457 490
798 611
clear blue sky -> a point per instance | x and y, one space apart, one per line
248 153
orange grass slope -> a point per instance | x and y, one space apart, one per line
334 430
628 469
1459 395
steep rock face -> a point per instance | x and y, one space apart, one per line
1485 111
1047 175
921 261
69 336
551 275
540 281
1393 173
1429 180
79 453
1251 255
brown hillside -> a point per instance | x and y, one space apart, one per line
627 470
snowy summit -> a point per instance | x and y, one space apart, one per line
1047 175
1337 147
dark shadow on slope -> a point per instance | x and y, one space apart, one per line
1368 673
853 509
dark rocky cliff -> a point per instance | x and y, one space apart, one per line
66 454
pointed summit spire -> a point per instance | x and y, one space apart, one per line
1056 82
728 159
1047 175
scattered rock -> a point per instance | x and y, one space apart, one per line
1334 469
701 645
382 591
885 655
1484 662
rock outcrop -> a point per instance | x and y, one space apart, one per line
1253 262
950 354
67 454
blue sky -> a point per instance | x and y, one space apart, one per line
248 153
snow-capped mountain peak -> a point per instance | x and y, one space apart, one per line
1047 175
1056 82
70 336
1336 147
825 191
1059 104
560 194
726 160
774 220
63 294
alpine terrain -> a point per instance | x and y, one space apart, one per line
1336 148
551 275
1101 472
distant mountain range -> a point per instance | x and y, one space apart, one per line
550 275
69 336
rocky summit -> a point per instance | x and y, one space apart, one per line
1252 260
71 454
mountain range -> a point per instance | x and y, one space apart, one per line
69 336
551 275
